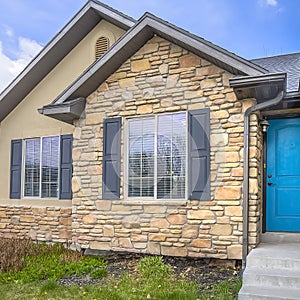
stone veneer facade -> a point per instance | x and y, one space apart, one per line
161 77
50 224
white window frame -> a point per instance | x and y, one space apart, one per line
40 169
126 163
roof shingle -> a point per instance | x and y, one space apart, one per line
288 63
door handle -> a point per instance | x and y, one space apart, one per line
270 183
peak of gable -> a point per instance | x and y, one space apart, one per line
74 31
136 37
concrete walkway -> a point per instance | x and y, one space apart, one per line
273 270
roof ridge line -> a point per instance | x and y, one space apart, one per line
273 56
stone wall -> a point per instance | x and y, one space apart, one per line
49 224
162 77
255 181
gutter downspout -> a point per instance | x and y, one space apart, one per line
247 114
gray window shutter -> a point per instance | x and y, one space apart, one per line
111 158
15 169
199 154
65 186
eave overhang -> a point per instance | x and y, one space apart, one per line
66 112
293 96
288 108
75 30
265 87
261 87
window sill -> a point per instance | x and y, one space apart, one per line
155 202
36 202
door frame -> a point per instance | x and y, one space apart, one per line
264 171
264 183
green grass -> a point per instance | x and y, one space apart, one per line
128 287
42 262
35 277
226 290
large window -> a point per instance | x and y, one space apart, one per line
156 162
41 167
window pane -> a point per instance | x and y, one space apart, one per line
32 168
50 166
134 187
147 187
141 158
171 156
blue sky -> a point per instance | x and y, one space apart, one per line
249 28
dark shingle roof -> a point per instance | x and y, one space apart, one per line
288 63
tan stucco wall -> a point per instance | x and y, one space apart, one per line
25 122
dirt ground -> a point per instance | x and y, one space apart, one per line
204 272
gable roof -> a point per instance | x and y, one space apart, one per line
148 26
288 63
75 30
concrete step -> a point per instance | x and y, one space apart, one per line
281 256
263 293
280 237
271 277
274 263
274 260
272 272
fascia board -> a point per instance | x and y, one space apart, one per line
250 81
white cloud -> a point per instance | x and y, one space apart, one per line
8 31
272 2
10 68
268 3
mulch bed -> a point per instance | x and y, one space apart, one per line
204 272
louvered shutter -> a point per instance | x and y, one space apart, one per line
111 158
15 169
65 186
199 154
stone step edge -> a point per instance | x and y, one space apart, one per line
272 272
279 237
270 258
275 293
267 255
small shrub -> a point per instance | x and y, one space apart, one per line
13 253
99 273
154 280
153 267
48 286
43 262
90 263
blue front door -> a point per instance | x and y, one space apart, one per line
283 176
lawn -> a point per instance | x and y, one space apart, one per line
34 271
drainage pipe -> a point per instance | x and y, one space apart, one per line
247 114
